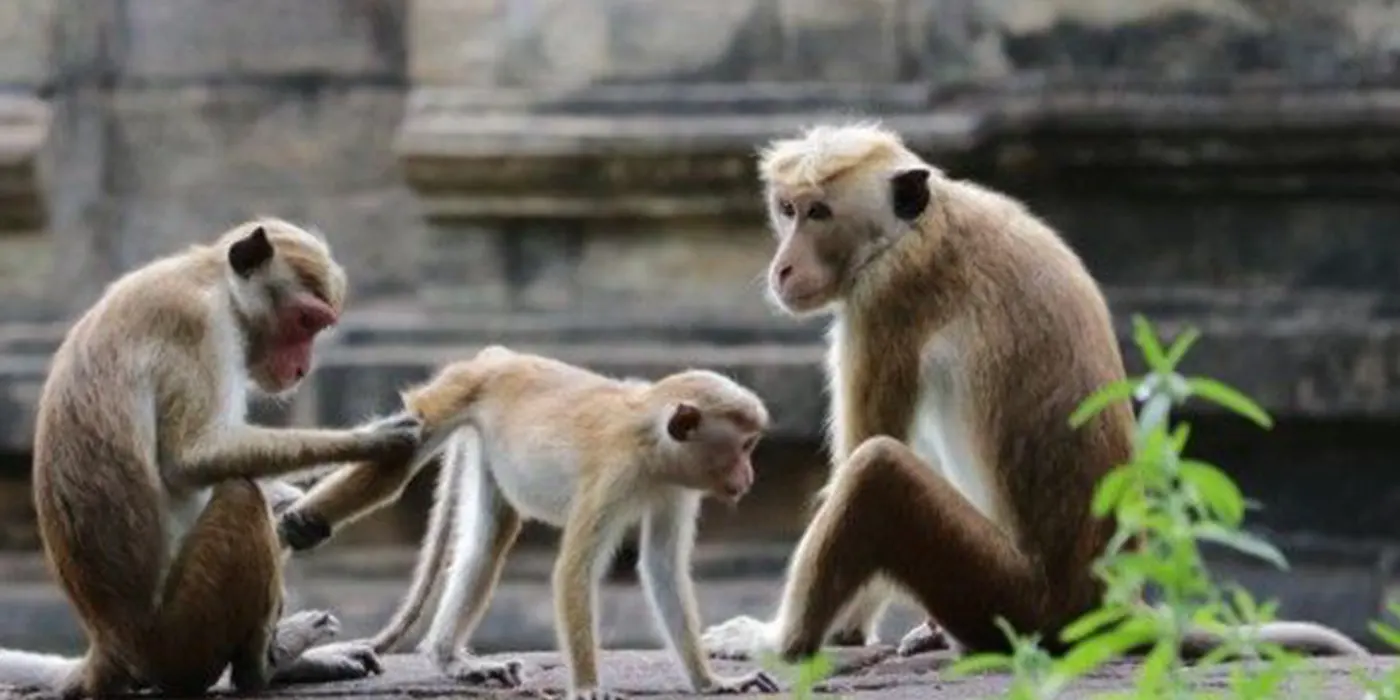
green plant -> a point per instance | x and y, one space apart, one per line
1387 687
805 675
1166 505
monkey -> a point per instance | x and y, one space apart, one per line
525 436
146 472
963 334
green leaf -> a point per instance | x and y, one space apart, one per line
1092 622
1179 347
1091 653
1227 396
1113 392
1146 339
1179 437
1155 666
1242 542
1216 488
979 663
1388 634
1110 490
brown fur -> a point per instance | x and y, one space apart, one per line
943 292
140 419
607 448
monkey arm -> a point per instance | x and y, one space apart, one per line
590 536
256 452
668 532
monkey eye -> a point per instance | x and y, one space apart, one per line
819 211
786 209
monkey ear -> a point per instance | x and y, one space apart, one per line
684 421
249 253
909 193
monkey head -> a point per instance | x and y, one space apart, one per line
286 290
711 425
837 198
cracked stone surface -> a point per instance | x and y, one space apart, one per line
873 672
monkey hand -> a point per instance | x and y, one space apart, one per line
395 438
302 529
340 661
477 671
755 682
740 638
926 637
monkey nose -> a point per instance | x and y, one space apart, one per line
784 273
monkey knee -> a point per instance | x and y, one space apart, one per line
874 460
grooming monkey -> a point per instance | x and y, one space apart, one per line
965 333
532 437
145 471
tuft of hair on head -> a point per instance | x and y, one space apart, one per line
712 393
824 152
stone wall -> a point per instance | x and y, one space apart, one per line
576 177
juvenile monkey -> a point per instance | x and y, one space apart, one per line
145 470
965 333
532 437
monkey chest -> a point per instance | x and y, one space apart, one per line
182 513
942 433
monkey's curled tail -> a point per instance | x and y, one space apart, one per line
434 548
27 670
1306 637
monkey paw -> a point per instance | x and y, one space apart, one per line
342 661
756 682
395 437
481 672
596 694
302 530
925 637
740 638
299 632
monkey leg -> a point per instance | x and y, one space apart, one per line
890 514
339 499
221 594
856 625
486 528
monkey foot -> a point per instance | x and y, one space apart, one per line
739 639
343 661
596 694
756 682
481 672
925 637
299 632
302 530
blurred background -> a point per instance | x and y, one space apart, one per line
576 177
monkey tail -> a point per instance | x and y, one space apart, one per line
30 671
1306 637
434 547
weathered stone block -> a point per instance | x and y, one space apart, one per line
184 164
455 42
279 39
26 30
841 40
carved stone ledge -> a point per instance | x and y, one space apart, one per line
671 151
24 125
609 154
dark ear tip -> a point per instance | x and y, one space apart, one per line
250 252
910 192
684 420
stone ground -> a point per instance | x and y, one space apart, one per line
867 673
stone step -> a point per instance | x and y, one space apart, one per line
1302 355
1340 585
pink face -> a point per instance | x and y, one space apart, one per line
299 320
